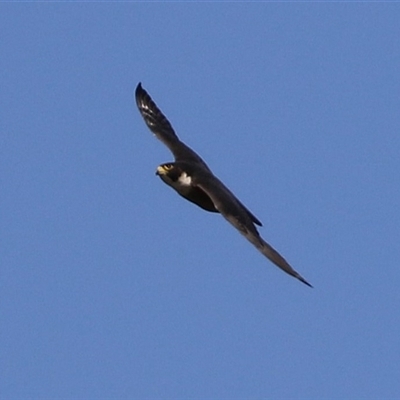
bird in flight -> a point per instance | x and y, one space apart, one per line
190 176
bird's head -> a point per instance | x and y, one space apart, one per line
173 172
168 169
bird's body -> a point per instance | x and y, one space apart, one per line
181 181
190 176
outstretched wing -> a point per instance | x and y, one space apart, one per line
232 210
161 127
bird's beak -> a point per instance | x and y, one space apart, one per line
160 170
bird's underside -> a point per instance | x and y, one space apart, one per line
190 176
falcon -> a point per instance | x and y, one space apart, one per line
190 176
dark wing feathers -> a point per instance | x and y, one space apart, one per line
161 127
225 202
251 215
232 210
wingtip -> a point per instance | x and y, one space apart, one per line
301 279
138 88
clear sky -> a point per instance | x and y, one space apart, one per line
114 287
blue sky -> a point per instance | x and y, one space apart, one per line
114 287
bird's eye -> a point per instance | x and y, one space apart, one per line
168 166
